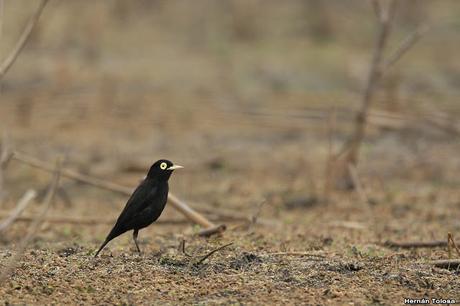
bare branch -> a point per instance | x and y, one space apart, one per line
212 252
2 11
377 8
8 62
374 71
386 12
405 45
20 207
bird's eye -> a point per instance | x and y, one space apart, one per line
163 166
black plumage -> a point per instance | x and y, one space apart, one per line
145 204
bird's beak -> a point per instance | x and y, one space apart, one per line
174 167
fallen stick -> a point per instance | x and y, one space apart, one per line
179 205
415 244
20 207
190 213
212 230
212 252
446 263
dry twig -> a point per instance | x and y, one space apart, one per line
194 261
405 45
385 16
378 66
20 207
8 62
212 230
212 252
194 216
182 248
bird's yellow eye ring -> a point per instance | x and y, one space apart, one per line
163 166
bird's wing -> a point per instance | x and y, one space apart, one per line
138 201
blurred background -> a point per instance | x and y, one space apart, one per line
254 98
251 96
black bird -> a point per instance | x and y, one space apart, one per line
145 204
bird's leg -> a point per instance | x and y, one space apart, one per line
135 233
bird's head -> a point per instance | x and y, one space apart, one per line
162 169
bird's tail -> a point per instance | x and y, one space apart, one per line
115 232
102 246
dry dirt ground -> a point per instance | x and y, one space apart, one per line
245 98
271 169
